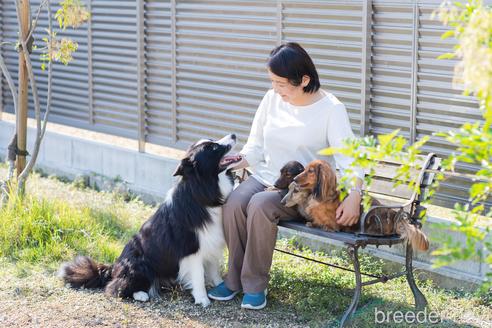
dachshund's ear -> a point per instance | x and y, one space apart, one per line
326 186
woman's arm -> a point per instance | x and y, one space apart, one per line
348 212
252 151
339 129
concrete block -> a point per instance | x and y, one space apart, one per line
87 156
118 162
6 133
7 130
57 151
155 173
31 140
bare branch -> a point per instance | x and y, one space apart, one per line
5 186
35 22
50 72
12 156
10 82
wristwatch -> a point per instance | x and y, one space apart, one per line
356 189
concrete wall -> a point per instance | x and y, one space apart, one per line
72 156
151 176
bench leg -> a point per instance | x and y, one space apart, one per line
358 286
420 300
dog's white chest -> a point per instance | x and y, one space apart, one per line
211 235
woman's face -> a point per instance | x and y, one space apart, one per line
287 91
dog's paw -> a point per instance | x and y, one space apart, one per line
309 224
203 301
141 296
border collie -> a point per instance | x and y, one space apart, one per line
182 242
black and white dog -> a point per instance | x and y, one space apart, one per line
182 242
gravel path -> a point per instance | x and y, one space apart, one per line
25 302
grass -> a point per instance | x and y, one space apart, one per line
321 294
46 228
33 230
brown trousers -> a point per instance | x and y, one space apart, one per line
250 218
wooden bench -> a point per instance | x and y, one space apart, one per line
406 204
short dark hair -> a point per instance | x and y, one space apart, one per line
291 61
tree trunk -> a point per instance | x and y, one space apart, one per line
21 119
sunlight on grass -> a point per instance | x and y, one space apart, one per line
33 230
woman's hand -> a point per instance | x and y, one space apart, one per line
348 212
243 163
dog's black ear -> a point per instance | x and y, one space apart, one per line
178 171
298 168
183 167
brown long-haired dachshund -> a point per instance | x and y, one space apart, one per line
319 179
315 192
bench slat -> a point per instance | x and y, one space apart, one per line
385 187
419 159
388 171
344 237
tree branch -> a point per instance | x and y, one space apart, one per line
35 22
10 82
12 156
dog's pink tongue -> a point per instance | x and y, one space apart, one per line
228 159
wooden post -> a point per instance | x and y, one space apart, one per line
21 119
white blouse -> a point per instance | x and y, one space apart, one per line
282 132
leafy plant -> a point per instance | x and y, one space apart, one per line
471 25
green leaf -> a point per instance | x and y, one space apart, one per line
447 34
448 55
385 139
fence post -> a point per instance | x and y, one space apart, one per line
365 87
1 74
89 63
279 22
415 55
141 76
174 119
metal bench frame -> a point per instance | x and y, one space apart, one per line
412 209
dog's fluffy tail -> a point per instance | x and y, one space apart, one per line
84 272
413 235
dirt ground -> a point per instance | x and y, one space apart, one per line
24 302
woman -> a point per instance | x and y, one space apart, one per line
294 121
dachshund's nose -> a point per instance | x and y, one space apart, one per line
233 136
